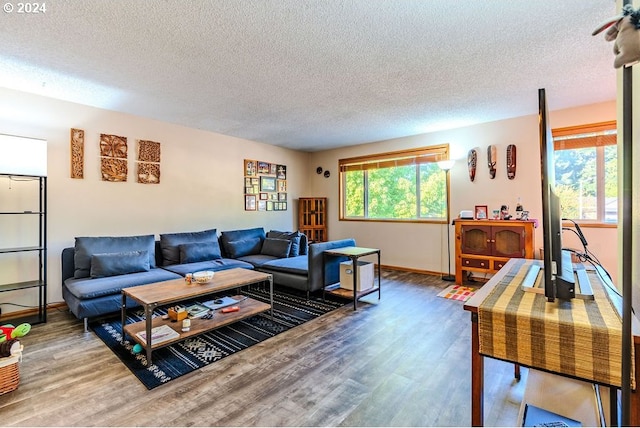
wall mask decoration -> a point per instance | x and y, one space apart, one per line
77 153
511 161
148 162
492 157
319 170
113 158
327 174
472 161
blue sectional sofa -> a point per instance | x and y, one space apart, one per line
96 269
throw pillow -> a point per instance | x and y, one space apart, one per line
85 247
276 247
243 247
170 242
112 264
198 252
294 237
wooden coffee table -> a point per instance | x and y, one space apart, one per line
150 296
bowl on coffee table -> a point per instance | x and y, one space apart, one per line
203 277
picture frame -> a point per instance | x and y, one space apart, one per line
250 167
247 181
282 196
274 169
262 205
250 202
481 212
267 184
269 206
264 167
282 185
282 172
264 196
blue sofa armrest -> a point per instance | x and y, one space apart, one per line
332 265
68 263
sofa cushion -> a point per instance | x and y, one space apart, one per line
214 265
294 237
243 247
257 259
89 288
295 265
111 264
170 242
85 247
238 243
199 251
276 247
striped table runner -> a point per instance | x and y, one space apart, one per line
580 338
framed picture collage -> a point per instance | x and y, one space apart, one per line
265 186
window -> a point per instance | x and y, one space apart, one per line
398 186
586 172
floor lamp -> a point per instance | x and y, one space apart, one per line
446 165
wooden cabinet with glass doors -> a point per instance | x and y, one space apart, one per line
312 216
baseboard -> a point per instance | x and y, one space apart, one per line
8 316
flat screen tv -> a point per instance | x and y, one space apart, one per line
559 279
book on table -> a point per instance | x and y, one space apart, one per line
196 310
221 302
159 334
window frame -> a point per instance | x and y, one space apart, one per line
599 140
416 156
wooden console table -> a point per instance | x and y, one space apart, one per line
506 283
354 253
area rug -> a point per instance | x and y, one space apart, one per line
289 309
457 292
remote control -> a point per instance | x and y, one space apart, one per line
230 309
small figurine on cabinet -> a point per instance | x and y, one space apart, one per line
504 212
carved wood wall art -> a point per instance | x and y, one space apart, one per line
148 173
148 151
113 146
114 170
113 160
77 153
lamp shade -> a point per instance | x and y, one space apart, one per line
23 156
446 165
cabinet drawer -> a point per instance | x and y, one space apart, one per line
476 263
498 264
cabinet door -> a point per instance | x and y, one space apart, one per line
508 241
476 239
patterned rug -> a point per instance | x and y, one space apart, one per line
290 310
457 292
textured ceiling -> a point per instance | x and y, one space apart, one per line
313 75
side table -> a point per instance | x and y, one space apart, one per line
354 253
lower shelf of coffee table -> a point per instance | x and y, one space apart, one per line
248 307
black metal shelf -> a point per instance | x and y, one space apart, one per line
20 249
20 212
21 285
38 286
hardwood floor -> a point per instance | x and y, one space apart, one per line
400 361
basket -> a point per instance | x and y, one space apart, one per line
9 374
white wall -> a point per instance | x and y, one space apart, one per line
201 180
424 246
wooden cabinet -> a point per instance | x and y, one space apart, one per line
27 255
485 246
312 215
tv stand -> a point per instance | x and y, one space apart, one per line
532 284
